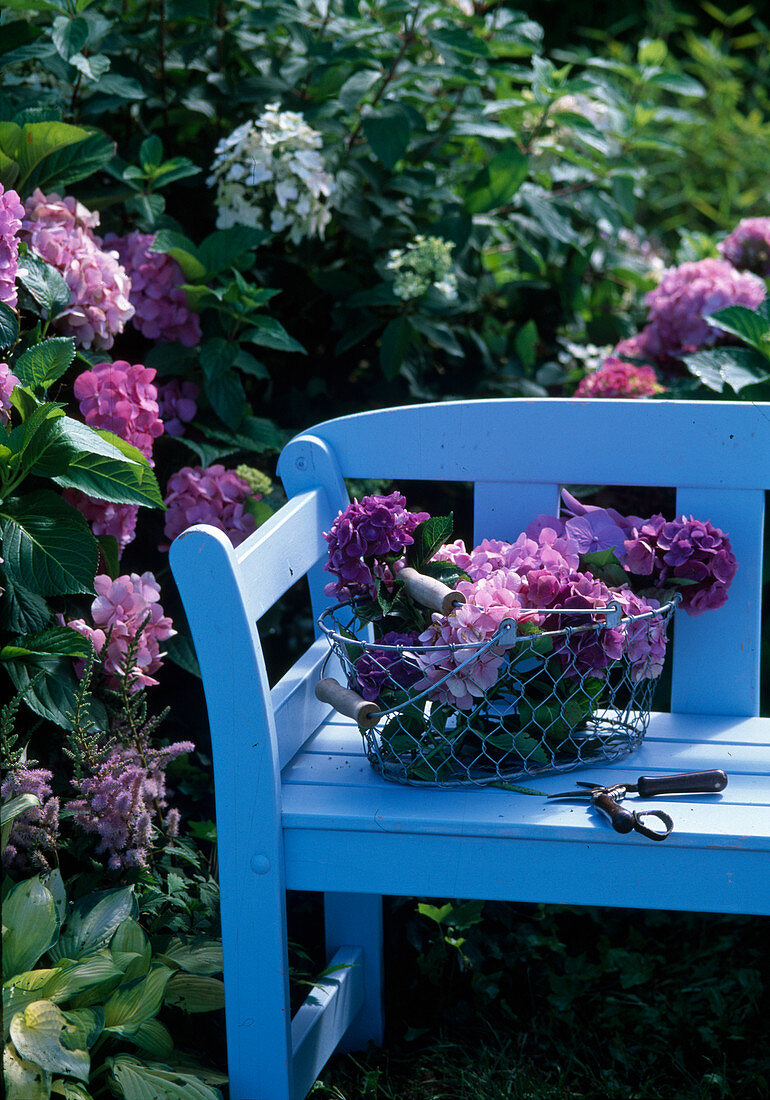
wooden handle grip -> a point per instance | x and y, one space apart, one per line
433 594
347 702
688 783
622 819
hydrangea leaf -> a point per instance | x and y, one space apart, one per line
182 250
48 546
735 367
60 641
388 132
44 285
497 182
52 694
393 345
751 325
45 362
31 925
93 922
9 325
37 1035
152 1081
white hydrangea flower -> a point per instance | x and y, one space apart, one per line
269 171
425 262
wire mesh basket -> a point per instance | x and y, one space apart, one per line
523 702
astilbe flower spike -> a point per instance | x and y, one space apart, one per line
123 607
160 304
60 231
11 213
211 495
119 800
35 832
374 528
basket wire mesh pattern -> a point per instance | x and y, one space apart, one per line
530 703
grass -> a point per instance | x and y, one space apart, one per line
541 1002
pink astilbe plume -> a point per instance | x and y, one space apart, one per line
160 303
119 801
11 213
36 831
60 231
212 495
119 610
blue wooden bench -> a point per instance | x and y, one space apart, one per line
298 806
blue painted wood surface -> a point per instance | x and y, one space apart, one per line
298 805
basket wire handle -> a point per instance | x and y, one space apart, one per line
430 592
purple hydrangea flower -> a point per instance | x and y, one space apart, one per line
645 639
614 378
686 295
687 550
381 668
212 495
36 831
8 383
11 213
177 403
60 231
119 800
162 312
105 517
588 527
748 246
377 527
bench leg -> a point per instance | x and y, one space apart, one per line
355 920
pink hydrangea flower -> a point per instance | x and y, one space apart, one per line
377 527
686 295
119 610
161 306
212 495
60 231
615 378
748 246
105 517
11 213
645 639
8 383
36 831
540 546
119 801
177 402
121 398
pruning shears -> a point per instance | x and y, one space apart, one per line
607 799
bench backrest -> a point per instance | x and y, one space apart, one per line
517 453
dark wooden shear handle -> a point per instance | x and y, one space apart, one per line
689 783
622 820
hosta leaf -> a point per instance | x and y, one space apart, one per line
94 921
134 1002
72 977
37 1035
22 990
151 1081
153 1038
24 1080
195 992
48 546
30 923
199 957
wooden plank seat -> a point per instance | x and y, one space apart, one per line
299 807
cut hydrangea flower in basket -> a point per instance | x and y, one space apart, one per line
480 666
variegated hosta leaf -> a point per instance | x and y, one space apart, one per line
37 1035
148 1081
22 990
31 925
24 1080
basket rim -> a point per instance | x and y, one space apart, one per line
611 612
